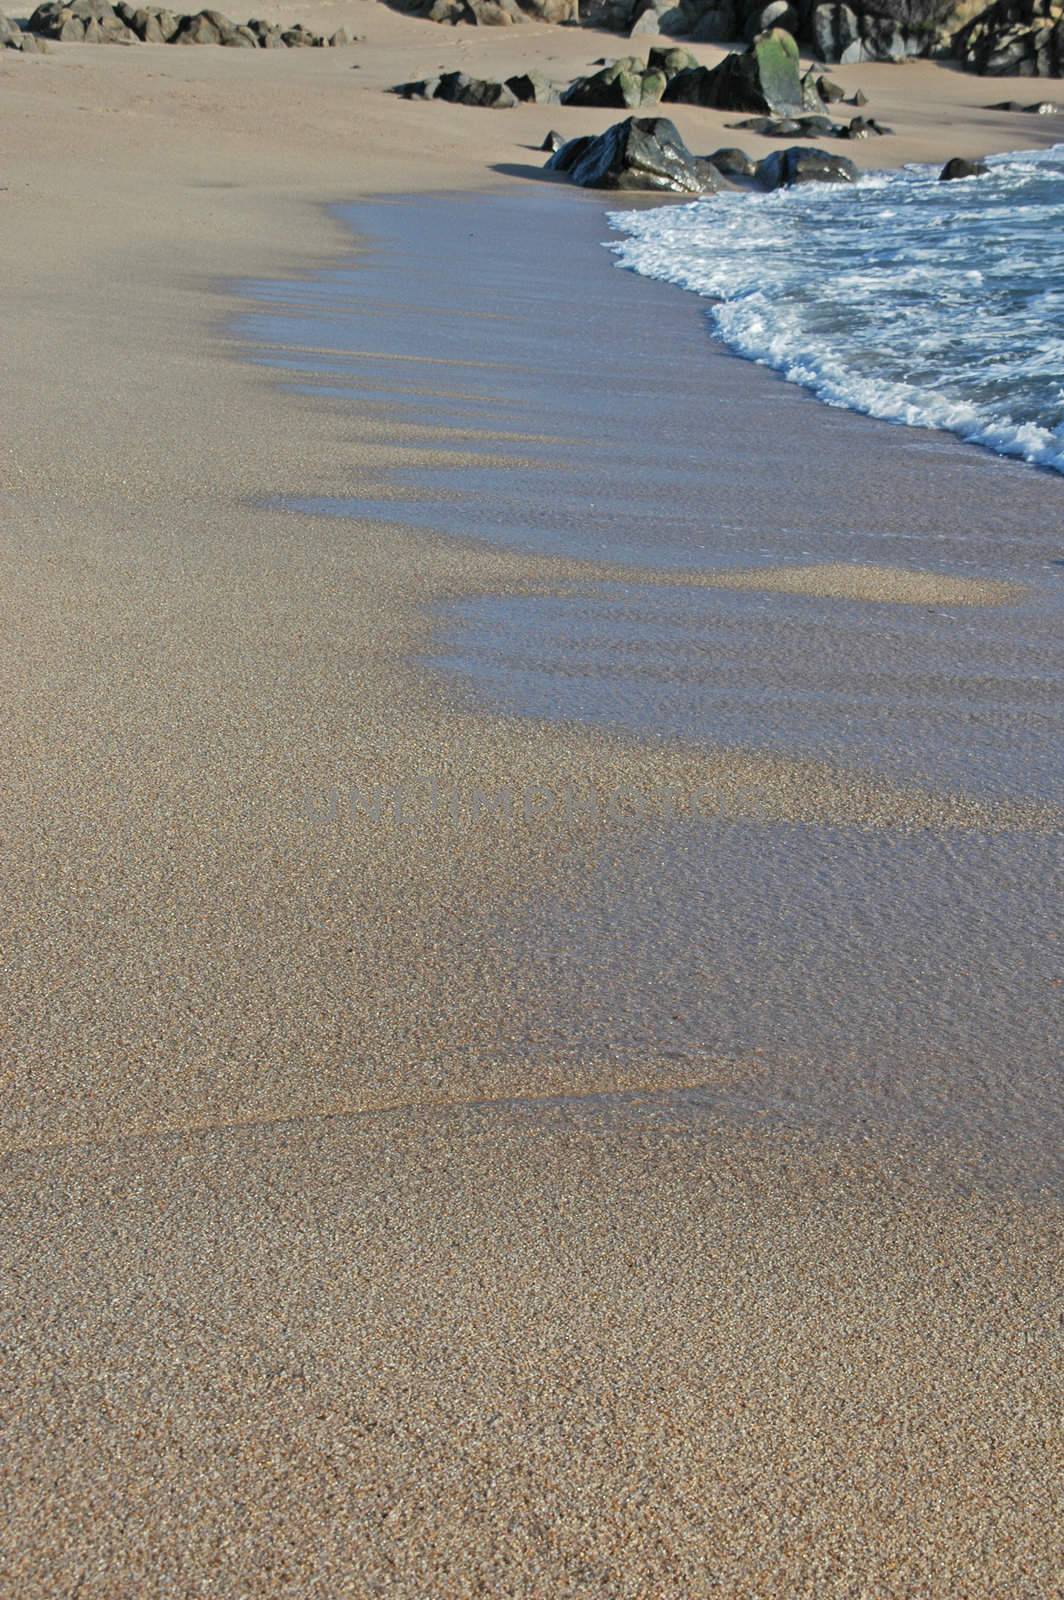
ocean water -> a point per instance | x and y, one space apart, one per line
937 305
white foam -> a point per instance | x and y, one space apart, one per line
929 304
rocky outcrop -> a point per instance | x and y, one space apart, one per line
98 22
785 169
959 168
460 90
864 30
879 30
1022 37
764 77
639 153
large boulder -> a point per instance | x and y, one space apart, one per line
764 78
212 27
1022 37
957 167
800 164
83 21
639 153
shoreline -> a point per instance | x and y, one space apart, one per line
264 1336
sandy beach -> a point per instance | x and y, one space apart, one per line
371 1223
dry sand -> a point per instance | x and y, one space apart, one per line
309 1287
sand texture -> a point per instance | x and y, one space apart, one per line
362 1235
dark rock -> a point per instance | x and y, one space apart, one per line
300 38
27 44
490 13
1022 37
670 61
859 99
771 14
639 153
627 83
811 96
88 21
836 34
717 25
800 165
570 153
733 163
788 127
205 27
764 78
879 30
863 128
533 87
762 125
459 90
552 142
154 26
269 34
858 129
959 168
830 92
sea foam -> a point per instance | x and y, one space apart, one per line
936 305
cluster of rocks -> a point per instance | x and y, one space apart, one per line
812 127
98 22
764 78
864 30
1022 38
878 30
1040 108
648 153
459 89
491 13
13 38
1010 36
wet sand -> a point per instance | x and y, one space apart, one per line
355 1241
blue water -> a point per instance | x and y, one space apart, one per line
939 305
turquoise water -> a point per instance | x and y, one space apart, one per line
938 305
